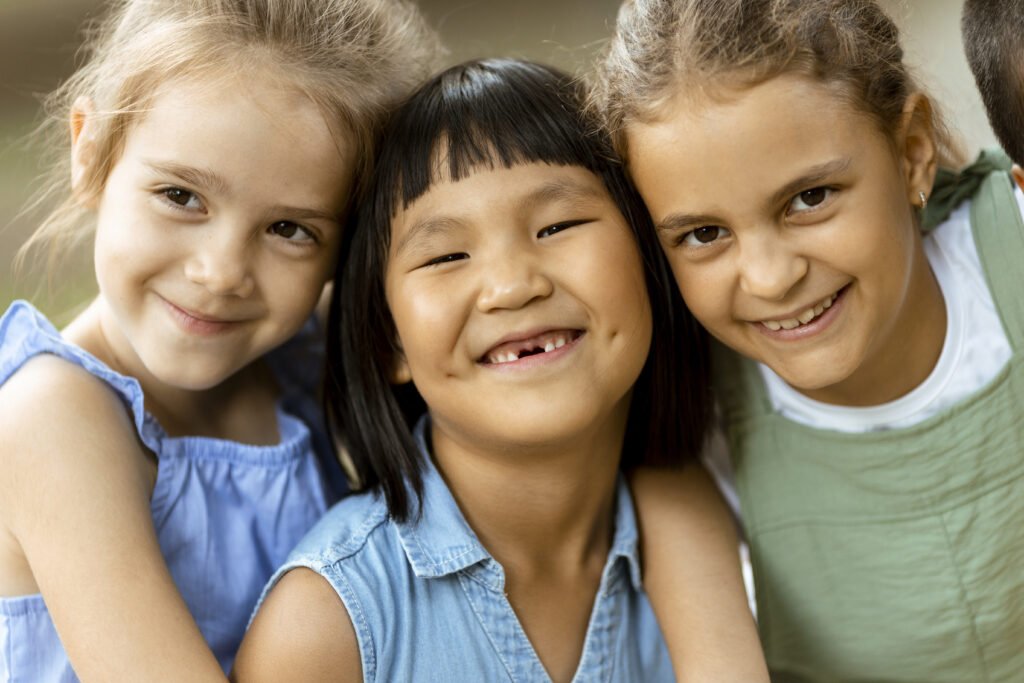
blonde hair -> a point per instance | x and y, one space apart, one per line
665 47
353 58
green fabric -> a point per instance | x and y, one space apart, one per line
895 555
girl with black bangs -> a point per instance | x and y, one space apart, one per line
493 369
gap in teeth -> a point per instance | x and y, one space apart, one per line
551 344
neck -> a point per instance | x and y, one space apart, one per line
546 508
233 410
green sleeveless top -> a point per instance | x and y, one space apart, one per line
895 555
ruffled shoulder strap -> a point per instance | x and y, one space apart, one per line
26 333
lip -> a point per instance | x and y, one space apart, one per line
199 323
535 360
813 328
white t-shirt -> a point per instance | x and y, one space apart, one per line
974 351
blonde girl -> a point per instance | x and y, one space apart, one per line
867 364
161 455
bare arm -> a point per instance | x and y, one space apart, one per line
74 495
693 578
302 632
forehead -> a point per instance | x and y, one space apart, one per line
487 187
251 133
743 140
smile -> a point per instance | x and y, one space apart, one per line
198 323
513 351
806 317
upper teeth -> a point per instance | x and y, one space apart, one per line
803 318
549 344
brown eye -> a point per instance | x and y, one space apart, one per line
291 231
811 199
704 235
182 198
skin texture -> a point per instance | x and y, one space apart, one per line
76 482
771 198
530 450
692 573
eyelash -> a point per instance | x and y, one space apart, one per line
829 194
556 228
447 258
166 193
552 229
682 239
311 238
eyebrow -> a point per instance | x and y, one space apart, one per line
206 179
426 228
813 175
197 177
561 190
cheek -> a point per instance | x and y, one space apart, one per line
705 291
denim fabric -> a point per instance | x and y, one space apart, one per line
427 600
226 514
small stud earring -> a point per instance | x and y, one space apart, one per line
924 199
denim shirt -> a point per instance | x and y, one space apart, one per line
427 600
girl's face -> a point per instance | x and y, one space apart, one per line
787 218
217 229
519 299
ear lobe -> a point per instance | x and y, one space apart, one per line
1018 175
400 373
917 147
83 145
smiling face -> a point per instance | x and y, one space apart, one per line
216 230
519 300
787 218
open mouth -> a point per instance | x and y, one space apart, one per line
805 317
512 351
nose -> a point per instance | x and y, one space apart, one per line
769 268
512 282
219 262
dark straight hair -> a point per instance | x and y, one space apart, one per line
488 114
993 34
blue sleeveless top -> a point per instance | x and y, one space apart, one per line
226 514
427 600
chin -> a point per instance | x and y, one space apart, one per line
191 378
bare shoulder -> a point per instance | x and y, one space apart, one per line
302 632
58 422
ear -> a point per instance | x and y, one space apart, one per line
1018 175
400 372
83 145
917 148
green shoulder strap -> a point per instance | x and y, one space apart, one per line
953 187
999 235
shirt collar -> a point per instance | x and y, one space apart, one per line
441 542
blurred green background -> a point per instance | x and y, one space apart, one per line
39 40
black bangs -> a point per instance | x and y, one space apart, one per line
490 113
